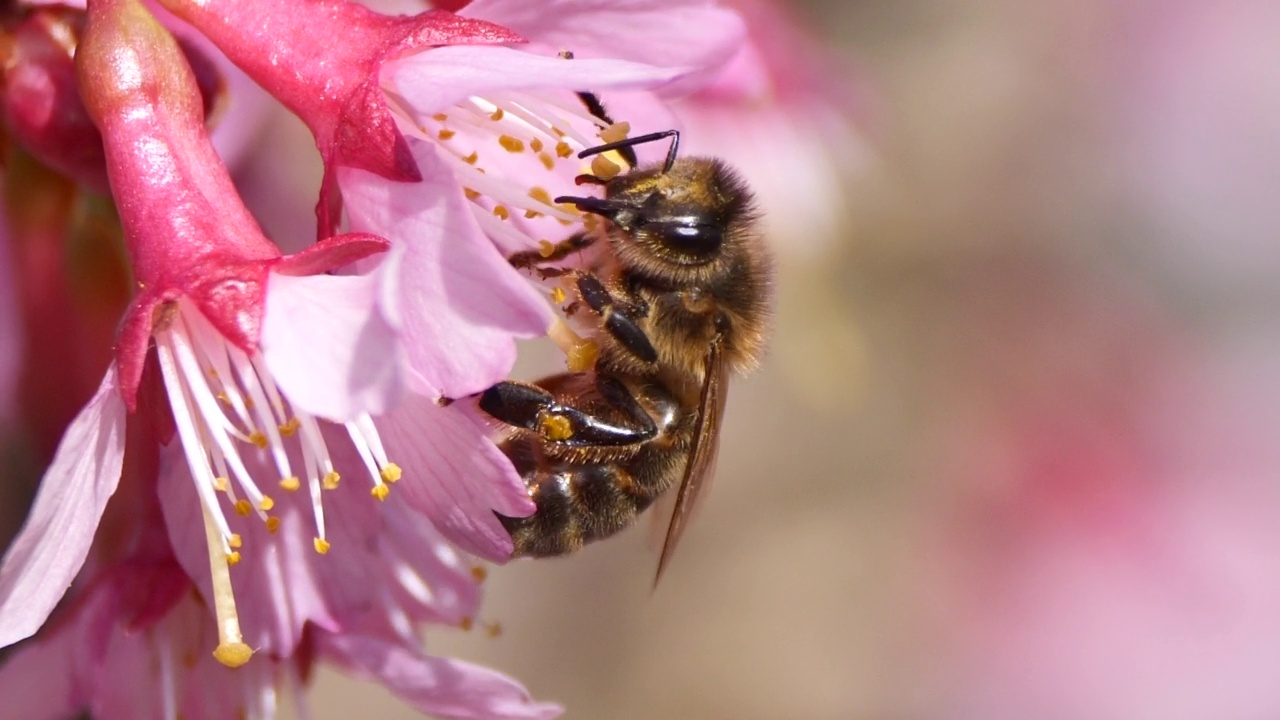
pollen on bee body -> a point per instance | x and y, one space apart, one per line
555 427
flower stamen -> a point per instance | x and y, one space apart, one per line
232 650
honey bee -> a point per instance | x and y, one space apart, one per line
678 298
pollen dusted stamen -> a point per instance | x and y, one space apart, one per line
552 127
225 403
232 650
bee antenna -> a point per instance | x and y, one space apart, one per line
597 206
641 140
596 108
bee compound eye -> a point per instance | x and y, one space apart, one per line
689 238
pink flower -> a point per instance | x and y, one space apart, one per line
228 315
202 267
134 643
333 87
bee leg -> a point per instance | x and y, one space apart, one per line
613 419
617 316
561 250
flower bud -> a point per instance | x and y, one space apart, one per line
40 100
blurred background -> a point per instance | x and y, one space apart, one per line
1013 453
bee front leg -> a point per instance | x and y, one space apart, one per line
618 316
532 258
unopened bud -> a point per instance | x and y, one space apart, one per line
41 102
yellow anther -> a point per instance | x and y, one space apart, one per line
604 168
471 194
548 162
380 491
557 131
615 132
440 117
290 427
535 144
235 540
532 214
233 557
243 507
558 295
546 248
267 503
555 427
321 545
259 438
582 356
222 397
466 623
563 149
540 194
221 484
445 134
472 158
290 483
479 573
496 115
248 404
330 480
212 373
493 629
391 472
273 524
501 212
511 144
233 654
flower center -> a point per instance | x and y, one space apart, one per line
500 144
224 400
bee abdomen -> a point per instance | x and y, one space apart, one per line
576 504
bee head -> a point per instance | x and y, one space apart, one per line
682 216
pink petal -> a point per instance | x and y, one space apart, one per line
35 683
454 475
55 540
439 686
693 34
460 303
329 348
434 81
446 573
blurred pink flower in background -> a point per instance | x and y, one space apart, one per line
1107 540
782 108
1196 89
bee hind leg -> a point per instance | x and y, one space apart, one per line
607 416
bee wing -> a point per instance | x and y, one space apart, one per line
702 456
